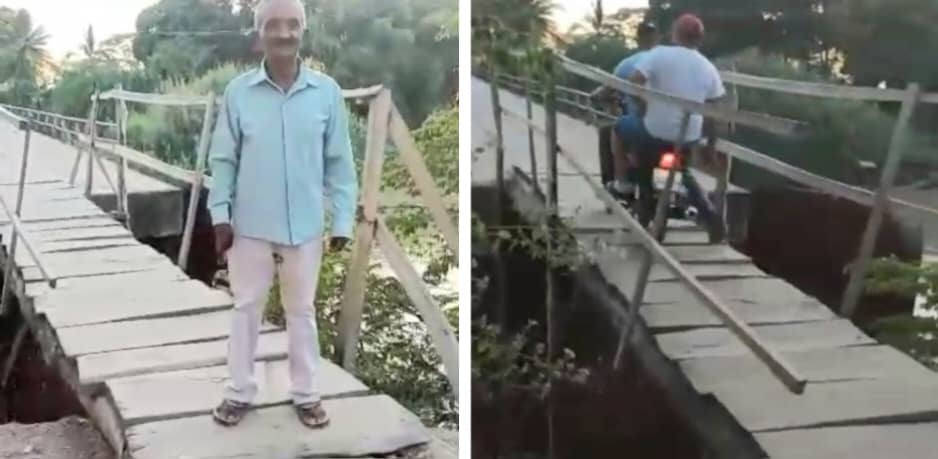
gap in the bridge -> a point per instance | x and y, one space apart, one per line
609 413
810 244
34 391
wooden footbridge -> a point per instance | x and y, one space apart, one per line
143 345
758 368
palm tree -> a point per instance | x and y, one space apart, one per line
93 50
28 46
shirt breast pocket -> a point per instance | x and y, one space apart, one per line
314 130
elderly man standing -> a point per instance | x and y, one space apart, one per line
280 145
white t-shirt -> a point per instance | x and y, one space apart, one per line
682 72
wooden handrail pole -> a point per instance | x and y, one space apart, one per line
353 293
859 268
208 121
17 211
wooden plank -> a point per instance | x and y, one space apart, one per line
900 441
439 328
105 283
824 365
711 342
758 291
430 193
361 426
86 245
71 234
58 211
681 316
766 407
77 341
69 308
99 367
614 266
708 254
101 261
94 268
187 393
76 223
604 243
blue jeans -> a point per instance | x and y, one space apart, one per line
648 149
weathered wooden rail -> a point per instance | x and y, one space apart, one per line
754 322
143 346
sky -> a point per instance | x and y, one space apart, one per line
570 11
67 20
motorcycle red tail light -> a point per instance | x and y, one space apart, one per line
668 161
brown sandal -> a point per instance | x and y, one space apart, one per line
312 415
230 412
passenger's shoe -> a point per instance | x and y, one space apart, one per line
622 192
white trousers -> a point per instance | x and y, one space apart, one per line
251 268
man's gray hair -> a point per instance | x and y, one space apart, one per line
260 12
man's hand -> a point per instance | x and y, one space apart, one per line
224 237
336 244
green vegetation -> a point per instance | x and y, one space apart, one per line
917 336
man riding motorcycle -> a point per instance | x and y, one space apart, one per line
680 70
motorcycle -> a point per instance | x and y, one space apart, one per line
643 202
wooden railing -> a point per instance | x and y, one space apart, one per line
384 124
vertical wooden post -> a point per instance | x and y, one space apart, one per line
858 270
14 236
529 109
657 230
501 292
725 165
121 115
550 120
92 140
208 120
353 296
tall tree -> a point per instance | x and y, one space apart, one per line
793 28
27 58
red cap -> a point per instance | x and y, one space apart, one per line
688 29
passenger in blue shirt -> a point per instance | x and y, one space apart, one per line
632 107
281 145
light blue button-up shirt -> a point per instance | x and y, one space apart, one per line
624 71
275 156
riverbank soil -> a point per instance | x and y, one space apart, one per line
70 438
40 416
